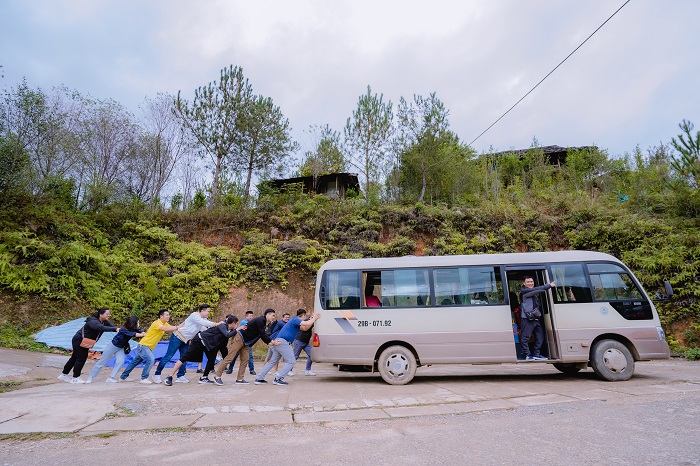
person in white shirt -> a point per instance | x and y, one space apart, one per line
180 339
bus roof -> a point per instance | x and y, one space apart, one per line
521 258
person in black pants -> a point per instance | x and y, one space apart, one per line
248 334
208 342
529 301
94 326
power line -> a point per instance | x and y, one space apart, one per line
553 70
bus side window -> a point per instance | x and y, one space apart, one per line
612 283
468 285
343 290
405 288
571 284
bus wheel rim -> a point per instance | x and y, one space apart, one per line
615 361
397 365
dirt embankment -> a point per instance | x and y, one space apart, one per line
298 294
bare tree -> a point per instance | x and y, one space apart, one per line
110 144
44 126
160 146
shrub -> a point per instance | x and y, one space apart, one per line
693 354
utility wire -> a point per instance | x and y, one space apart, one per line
555 68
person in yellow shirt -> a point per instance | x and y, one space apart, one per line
144 352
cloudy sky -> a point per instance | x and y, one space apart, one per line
630 84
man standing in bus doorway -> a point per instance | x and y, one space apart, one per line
531 312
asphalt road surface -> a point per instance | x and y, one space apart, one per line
654 429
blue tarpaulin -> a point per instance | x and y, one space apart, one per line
60 336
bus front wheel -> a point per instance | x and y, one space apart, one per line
612 361
397 365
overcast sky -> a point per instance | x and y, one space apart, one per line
630 84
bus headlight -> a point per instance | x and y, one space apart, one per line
662 334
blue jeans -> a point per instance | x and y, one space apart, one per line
300 345
251 364
174 345
283 350
107 354
143 353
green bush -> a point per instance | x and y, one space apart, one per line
693 354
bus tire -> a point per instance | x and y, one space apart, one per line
567 368
397 365
612 361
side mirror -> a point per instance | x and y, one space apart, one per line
665 297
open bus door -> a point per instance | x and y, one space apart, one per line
514 278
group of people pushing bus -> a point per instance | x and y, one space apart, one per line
194 338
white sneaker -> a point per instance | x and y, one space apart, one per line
182 379
89 380
309 373
156 379
111 380
146 382
77 380
64 377
290 374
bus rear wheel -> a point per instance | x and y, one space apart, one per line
612 361
567 368
397 365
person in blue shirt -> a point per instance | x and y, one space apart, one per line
129 330
251 364
282 347
274 331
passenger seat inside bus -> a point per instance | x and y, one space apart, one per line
372 301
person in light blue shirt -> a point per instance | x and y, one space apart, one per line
116 348
282 347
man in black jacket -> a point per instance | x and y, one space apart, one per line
208 342
529 301
246 337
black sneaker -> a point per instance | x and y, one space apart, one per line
204 380
218 381
252 373
200 371
260 382
242 382
279 382
229 371
169 381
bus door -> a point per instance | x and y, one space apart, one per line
515 276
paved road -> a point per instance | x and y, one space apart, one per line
486 414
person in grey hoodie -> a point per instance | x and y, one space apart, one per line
94 327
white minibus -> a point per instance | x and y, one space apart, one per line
394 315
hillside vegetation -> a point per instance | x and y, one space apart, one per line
83 223
133 260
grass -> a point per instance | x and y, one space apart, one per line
35 436
12 336
120 412
9 386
